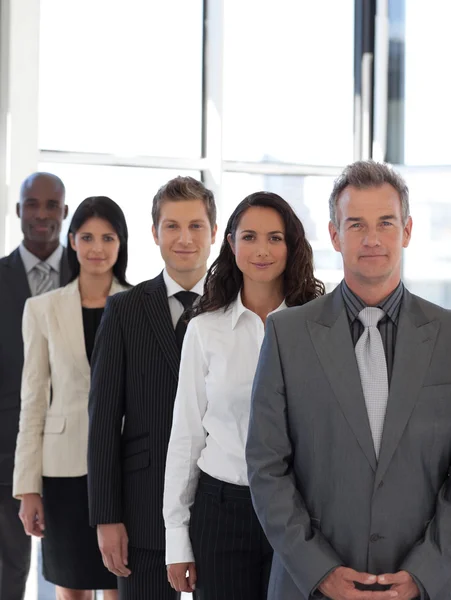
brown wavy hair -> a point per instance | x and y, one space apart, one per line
224 279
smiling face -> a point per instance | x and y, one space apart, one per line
97 246
259 245
370 235
42 210
185 236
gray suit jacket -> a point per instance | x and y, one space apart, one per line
14 291
321 496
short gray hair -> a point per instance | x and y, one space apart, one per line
365 174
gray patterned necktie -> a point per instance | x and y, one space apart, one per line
45 283
372 365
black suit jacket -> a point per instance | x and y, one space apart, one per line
134 373
14 291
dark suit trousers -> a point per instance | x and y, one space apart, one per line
149 580
15 548
233 557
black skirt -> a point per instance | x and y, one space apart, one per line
70 554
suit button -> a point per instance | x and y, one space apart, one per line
381 484
375 537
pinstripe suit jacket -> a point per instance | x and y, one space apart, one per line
134 372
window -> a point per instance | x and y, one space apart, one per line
288 81
427 261
419 123
121 78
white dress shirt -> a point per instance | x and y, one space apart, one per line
175 306
30 261
211 413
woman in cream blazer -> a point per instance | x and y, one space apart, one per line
51 454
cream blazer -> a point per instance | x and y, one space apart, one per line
53 436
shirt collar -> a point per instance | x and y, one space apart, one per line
391 305
172 287
30 260
238 309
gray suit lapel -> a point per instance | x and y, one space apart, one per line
331 337
415 343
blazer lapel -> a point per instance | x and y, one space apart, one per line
156 307
18 278
415 343
70 321
331 337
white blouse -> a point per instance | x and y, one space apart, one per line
211 414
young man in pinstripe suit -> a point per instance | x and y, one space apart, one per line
134 381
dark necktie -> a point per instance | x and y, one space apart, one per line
187 299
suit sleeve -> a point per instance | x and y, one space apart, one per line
35 393
429 560
106 410
305 553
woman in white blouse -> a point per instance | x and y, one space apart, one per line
214 543
51 454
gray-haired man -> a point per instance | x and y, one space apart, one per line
349 443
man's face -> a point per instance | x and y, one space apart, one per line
370 234
184 235
42 211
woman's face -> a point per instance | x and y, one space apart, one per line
259 245
97 246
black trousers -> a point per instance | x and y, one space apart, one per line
15 548
233 557
148 580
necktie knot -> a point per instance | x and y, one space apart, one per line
186 298
43 269
370 316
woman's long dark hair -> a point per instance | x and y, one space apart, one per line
100 207
224 279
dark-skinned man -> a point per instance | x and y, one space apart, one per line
37 266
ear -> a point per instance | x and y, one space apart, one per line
72 242
214 231
155 235
407 233
334 237
18 209
231 242
66 211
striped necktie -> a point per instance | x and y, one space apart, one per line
187 299
45 283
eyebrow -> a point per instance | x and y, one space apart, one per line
359 219
199 220
269 232
90 233
27 198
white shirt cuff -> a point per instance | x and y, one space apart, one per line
178 546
